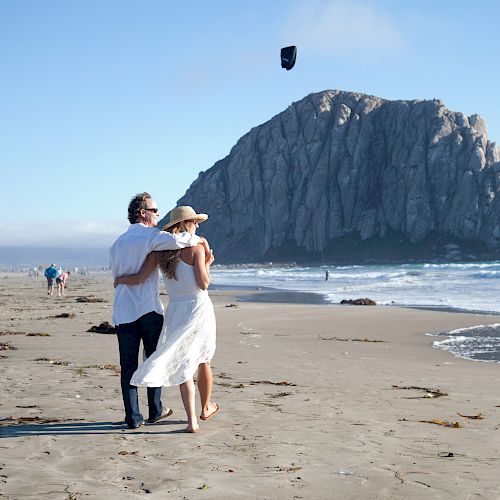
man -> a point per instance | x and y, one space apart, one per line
138 310
50 273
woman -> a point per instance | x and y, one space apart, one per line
187 341
61 281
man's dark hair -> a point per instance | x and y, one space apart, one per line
137 203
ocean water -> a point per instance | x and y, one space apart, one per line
480 343
467 287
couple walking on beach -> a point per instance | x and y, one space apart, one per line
183 341
57 276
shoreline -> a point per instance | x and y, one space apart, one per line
280 296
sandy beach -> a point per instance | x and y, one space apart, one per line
309 408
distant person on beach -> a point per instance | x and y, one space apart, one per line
327 275
61 282
50 273
138 310
187 341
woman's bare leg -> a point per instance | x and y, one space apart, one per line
205 379
187 395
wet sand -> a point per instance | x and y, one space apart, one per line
309 408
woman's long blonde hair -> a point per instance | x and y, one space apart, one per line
168 259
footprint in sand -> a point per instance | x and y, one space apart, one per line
467 477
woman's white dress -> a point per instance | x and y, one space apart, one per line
188 335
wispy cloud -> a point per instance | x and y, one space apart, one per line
64 233
343 27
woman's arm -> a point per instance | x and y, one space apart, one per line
149 265
202 267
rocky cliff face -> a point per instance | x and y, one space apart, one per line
342 174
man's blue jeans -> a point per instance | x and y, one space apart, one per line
147 328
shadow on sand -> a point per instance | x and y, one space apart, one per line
86 428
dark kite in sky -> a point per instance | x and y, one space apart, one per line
288 56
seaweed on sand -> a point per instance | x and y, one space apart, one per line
357 339
7 346
429 393
284 382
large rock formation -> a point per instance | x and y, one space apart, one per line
346 176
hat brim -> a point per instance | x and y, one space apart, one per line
197 218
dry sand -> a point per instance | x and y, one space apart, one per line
302 415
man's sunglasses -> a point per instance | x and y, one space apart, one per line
154 210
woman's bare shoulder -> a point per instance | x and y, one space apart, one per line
187 255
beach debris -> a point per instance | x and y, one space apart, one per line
72 495
36 420
231 305
64 315
53 361
446 454
479 416
104 327
280 395
90 298
356 339
7 346
274 406
146 490
232 386
80 369
35 334
27 406
442 423
345 471
251 333
277 468
284 382
429 393
359 302
127 453
113 368
224 375
108 366
203 487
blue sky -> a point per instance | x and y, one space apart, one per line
103 99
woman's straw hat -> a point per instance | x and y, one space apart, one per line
178 214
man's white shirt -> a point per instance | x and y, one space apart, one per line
127 255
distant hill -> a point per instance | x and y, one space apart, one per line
343 176
25 257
